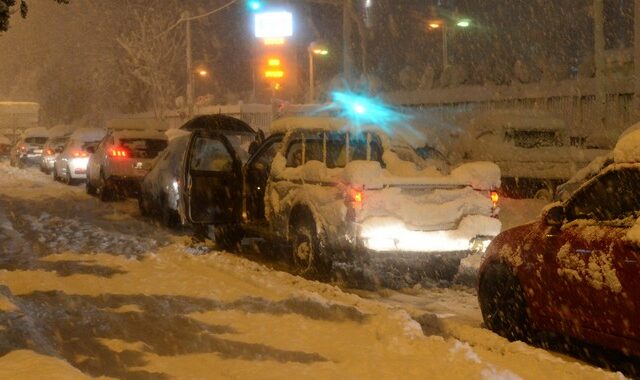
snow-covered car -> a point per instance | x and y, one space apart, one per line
335 192
564 191
71 165
121 160
573 272
533 150
162 189
28 149
52 148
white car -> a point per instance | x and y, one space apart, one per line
121 160
71 164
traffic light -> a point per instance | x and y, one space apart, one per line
254 5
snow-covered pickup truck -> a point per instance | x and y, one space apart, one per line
336 193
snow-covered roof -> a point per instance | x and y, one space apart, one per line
139 134
36 132
137 124
628 147
60 130
88 134
308 122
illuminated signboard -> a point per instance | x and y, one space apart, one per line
273 24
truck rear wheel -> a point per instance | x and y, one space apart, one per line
308 251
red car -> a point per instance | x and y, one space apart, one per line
575 272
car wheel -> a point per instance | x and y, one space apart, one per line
502 302
228 237
91 190
67 178
105 189
168 217
142 205
307 249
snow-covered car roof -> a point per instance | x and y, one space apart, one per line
35 132
143 124
88 134
139 134
60 130
217 122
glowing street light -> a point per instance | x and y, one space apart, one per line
435 24
464 23
315 48
203 73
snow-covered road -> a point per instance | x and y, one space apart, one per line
89 289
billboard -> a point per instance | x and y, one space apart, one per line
273 24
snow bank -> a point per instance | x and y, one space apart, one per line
28 365
628 148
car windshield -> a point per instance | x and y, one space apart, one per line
143 148
35 140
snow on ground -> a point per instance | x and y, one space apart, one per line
127 299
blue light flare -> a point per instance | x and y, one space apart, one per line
362 110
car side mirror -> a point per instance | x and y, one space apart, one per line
91 149
554 216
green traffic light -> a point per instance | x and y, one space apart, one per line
255 5
464 23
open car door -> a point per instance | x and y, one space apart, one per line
213 180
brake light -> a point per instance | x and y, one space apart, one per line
494 198
80 154
49 152
117 152
357 196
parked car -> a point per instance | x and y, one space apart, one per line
532 148
564 191
28 149
50 151
575 271
5 146
121 160
71 165
162 189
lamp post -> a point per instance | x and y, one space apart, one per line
315 48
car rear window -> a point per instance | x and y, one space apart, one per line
144 148
35 140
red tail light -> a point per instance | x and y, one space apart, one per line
80 154
494 198
49 152
118 152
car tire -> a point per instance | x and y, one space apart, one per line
67 178
228 237
105 189
308 252
168 217
142 205
91 190
503 304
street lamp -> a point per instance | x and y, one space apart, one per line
435 24
315 48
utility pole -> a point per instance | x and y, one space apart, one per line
347 8
635 115
187 17
598 29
